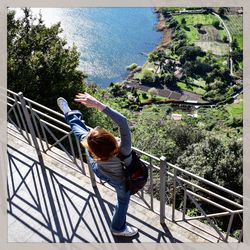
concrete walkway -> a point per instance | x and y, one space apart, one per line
56 203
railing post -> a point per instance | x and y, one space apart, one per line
174 194
30 126
91 173
163 171
184 204
229 226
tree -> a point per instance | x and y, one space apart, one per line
183 21
234 44
168 79
39 63
148 76
221 12
237 55
179 35
202 68
158 56
198 26
225 39
217 160
189 53
173 23
216 24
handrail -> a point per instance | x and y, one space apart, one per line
51 135
206 181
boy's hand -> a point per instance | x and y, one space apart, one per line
89 101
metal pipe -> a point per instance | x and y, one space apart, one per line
80 154
209 220
151 184
184 204
209 201
33 115
22 118
229 226
206 181
163 166
174 194
144 153
209 192
58 142
205 216
72 149
91 173
55 127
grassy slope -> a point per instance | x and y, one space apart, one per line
192 19
194 89
236 109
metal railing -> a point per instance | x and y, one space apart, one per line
47 131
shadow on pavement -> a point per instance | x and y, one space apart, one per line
50 207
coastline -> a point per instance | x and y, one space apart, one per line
160 26
167 32
162 91
183 96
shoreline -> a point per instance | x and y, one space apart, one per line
167 32
162 91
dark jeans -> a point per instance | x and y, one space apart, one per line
80 130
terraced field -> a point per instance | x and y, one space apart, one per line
208 38
217 48
235 27
192 19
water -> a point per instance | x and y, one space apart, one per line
108 39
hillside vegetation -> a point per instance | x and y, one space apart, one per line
44 67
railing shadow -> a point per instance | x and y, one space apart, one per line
76 215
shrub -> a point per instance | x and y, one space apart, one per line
131 66
147 77
225 39
183 21
198 26
173 23
216 24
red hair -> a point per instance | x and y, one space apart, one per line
101 144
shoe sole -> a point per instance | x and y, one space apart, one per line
124 235
58 100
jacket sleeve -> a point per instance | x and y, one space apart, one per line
125 133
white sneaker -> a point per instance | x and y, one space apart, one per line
63 105
128 231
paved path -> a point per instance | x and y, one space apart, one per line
230 40
75 212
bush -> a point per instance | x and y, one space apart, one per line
173 23
147 77
183 21
216 24
225 39
132 66
221 12
198 26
